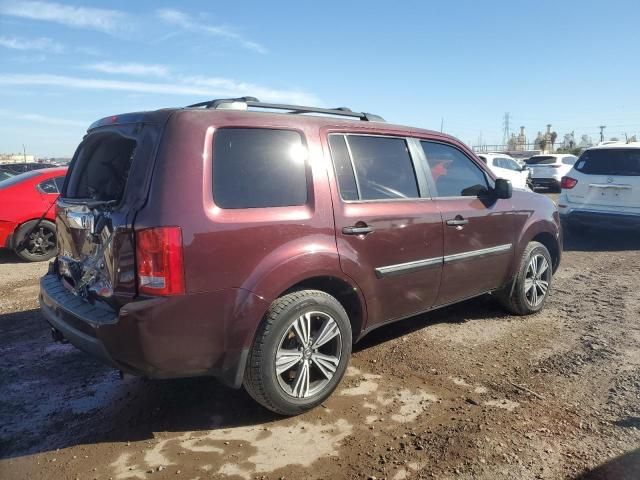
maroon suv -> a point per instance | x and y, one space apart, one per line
257 246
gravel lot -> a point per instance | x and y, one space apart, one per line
464 392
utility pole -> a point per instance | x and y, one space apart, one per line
24 153
441 124
507 131
602 127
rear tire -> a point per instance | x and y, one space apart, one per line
40 244
531 289
300 352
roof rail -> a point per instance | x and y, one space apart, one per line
242 103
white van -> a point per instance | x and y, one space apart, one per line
603 188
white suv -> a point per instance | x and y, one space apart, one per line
506 167
548 170
603 188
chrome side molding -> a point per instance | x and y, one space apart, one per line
391 270
400 268
477 253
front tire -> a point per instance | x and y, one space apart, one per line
300 352
36 243
529 293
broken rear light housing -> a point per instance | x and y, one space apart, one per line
159 261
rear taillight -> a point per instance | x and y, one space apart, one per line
568 183
159 260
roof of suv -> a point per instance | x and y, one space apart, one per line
310 116
605 145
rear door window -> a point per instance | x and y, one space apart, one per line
454 174
383 168
343 167
258 167
610 161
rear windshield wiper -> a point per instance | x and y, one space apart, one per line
91 203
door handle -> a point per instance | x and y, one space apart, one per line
457 222
353 230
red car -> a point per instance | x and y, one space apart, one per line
24 199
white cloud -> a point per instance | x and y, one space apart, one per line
33 117
130 69
205 88
108 21
41 44
183 20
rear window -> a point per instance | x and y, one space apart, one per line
102 167
610 161
257 167
541 160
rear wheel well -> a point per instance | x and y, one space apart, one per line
549 241
341 291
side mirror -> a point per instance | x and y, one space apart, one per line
524 168
503 189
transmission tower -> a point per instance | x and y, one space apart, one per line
506 135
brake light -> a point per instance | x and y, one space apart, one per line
159 260
568 183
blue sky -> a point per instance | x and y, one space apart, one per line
572 64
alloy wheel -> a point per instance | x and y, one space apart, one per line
308 354
40 242
537 278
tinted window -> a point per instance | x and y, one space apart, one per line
454 174
610 162
343 167
254 167
383 167
59 181
48 186
569 160
541 160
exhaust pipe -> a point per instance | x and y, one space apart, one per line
56 336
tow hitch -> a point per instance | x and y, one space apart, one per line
56 336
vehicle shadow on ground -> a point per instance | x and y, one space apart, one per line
601 241
479 308
8 256
625 467
55 396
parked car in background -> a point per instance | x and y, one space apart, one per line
264 244
504 166
25 199
4 175
17 168
603 189
547 170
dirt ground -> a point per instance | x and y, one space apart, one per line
464 392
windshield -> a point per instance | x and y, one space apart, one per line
610 161
541 160
18 178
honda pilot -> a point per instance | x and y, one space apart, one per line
257 242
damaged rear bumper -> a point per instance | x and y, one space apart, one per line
160 337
